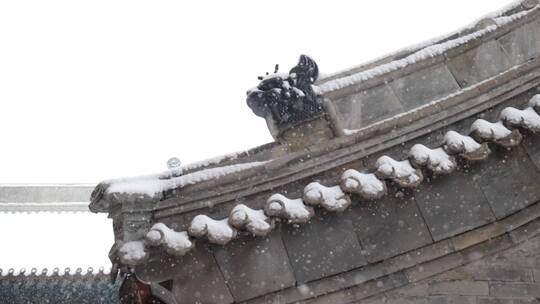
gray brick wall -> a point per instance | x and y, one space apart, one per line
509 277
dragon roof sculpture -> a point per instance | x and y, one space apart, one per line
288 99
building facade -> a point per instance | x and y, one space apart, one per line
412 179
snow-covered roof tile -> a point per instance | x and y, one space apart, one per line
132 253
330 198
465 146
435 160
495 132
176 243
527 118
216 231
427 50
401 172
293 210
254 221
367 185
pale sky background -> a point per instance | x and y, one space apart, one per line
91 90
100 89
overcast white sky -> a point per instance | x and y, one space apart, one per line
99 89
91 90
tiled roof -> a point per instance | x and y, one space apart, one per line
58 287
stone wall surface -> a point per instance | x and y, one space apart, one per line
508 277
373 247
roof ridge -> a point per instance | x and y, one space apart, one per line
425 52
54 272
406 173
511 7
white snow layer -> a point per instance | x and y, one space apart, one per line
422 54
418 46
176 243
490 131
510 6
457 143
465 146
527 118
330 198
430 104
400 172
435 160
217 231
535 102
132 253
211 161
502 20
293 210
254 221
366 185
349 131
152 184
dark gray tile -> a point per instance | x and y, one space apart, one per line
452 204
390 226
368 106
255 266
532 145
197 277
515 290
497 300
521 44
509 180
479 63
325 246
459 287
424 86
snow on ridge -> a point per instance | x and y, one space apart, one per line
490 130
132 253
422 54
366 185
458 143
293 210
401 172
211 161
349 131
216 231
500 12
465 146
418 46
406 173
502 20
170 174
527 118
429 104
330 198
425 53
176 243
535 102
254 221
153 184
436 160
